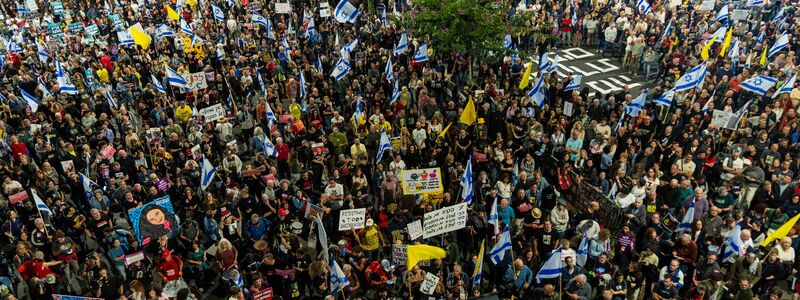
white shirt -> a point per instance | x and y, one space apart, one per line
397 166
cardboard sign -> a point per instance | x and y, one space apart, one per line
58 8
420 181
213 113
740 14
134 257
352 218
429 285
92 30
109 151
18 197
399 255
414 229
75 28
265 294
708 5
445 220
324 10
568 109
67 166
196 81
721 118
283 8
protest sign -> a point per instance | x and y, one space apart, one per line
58 8
134 257
116 20
283 8
75 28
419 181
265 294
92 30
153 220
708 5
352 218
109 151
721 118
399 255
196 81
445 220
429 285
213 113
18 197
740 14
324 10
414 229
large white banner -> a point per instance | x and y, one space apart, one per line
420 181
352 218
445 220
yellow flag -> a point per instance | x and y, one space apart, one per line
417 253
469 115
526 77
479 267
781 232
763 60
140 37
191 3
726 43
441 134
171 14
704 54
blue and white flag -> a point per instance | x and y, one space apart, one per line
493 217
720 34
42 86
665 99
733 244
261 84
87 183
322 237
163 31
507 42
537 92
384 21
196 40
207 174
342 68
643 6
422 53
175 79
269 147
12 47
157 84
553 65
347 49
402 45
754 3
781 43
759 84
761 37
551 268
692 78
109 98
582 254
219 15
636 105
389 70
385 144
733 53
286 48
41 51
30 101
544 62
260 20
786 87
346 12
359 110
501 247
575 83
688 218
319 65
723 14
707 105
467 189
667 31
302 86
186 28
40 205
395 92
310 28
338 279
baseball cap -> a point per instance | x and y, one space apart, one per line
282 212
370 222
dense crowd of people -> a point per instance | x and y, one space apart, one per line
123 180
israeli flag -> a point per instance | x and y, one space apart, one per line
688 218
582 254
422 53
467 190
338 279
286 48
347 49
723 14
86 182
260 20
218 14
754 3
40 205
269 148
163 31
734 52
175 79
553 66
196 40
733 244
761 38
503 244
395 92
157 84
786 87
261 84
359 110
109 98
186 28
389 70
43 87
42 53
759 84
345 12
207 173
319 65
220 54
667 31
402 45
537 92
124 37
493 218
31 101
544 62
270 115
384 145
341 69
383 17
12 47
692 78
575 83
644 7
781 43
710 100
636 105
302 85
665 99
551 268
507 42
310 28
64 84
720 34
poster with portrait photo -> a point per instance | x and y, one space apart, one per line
153 220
